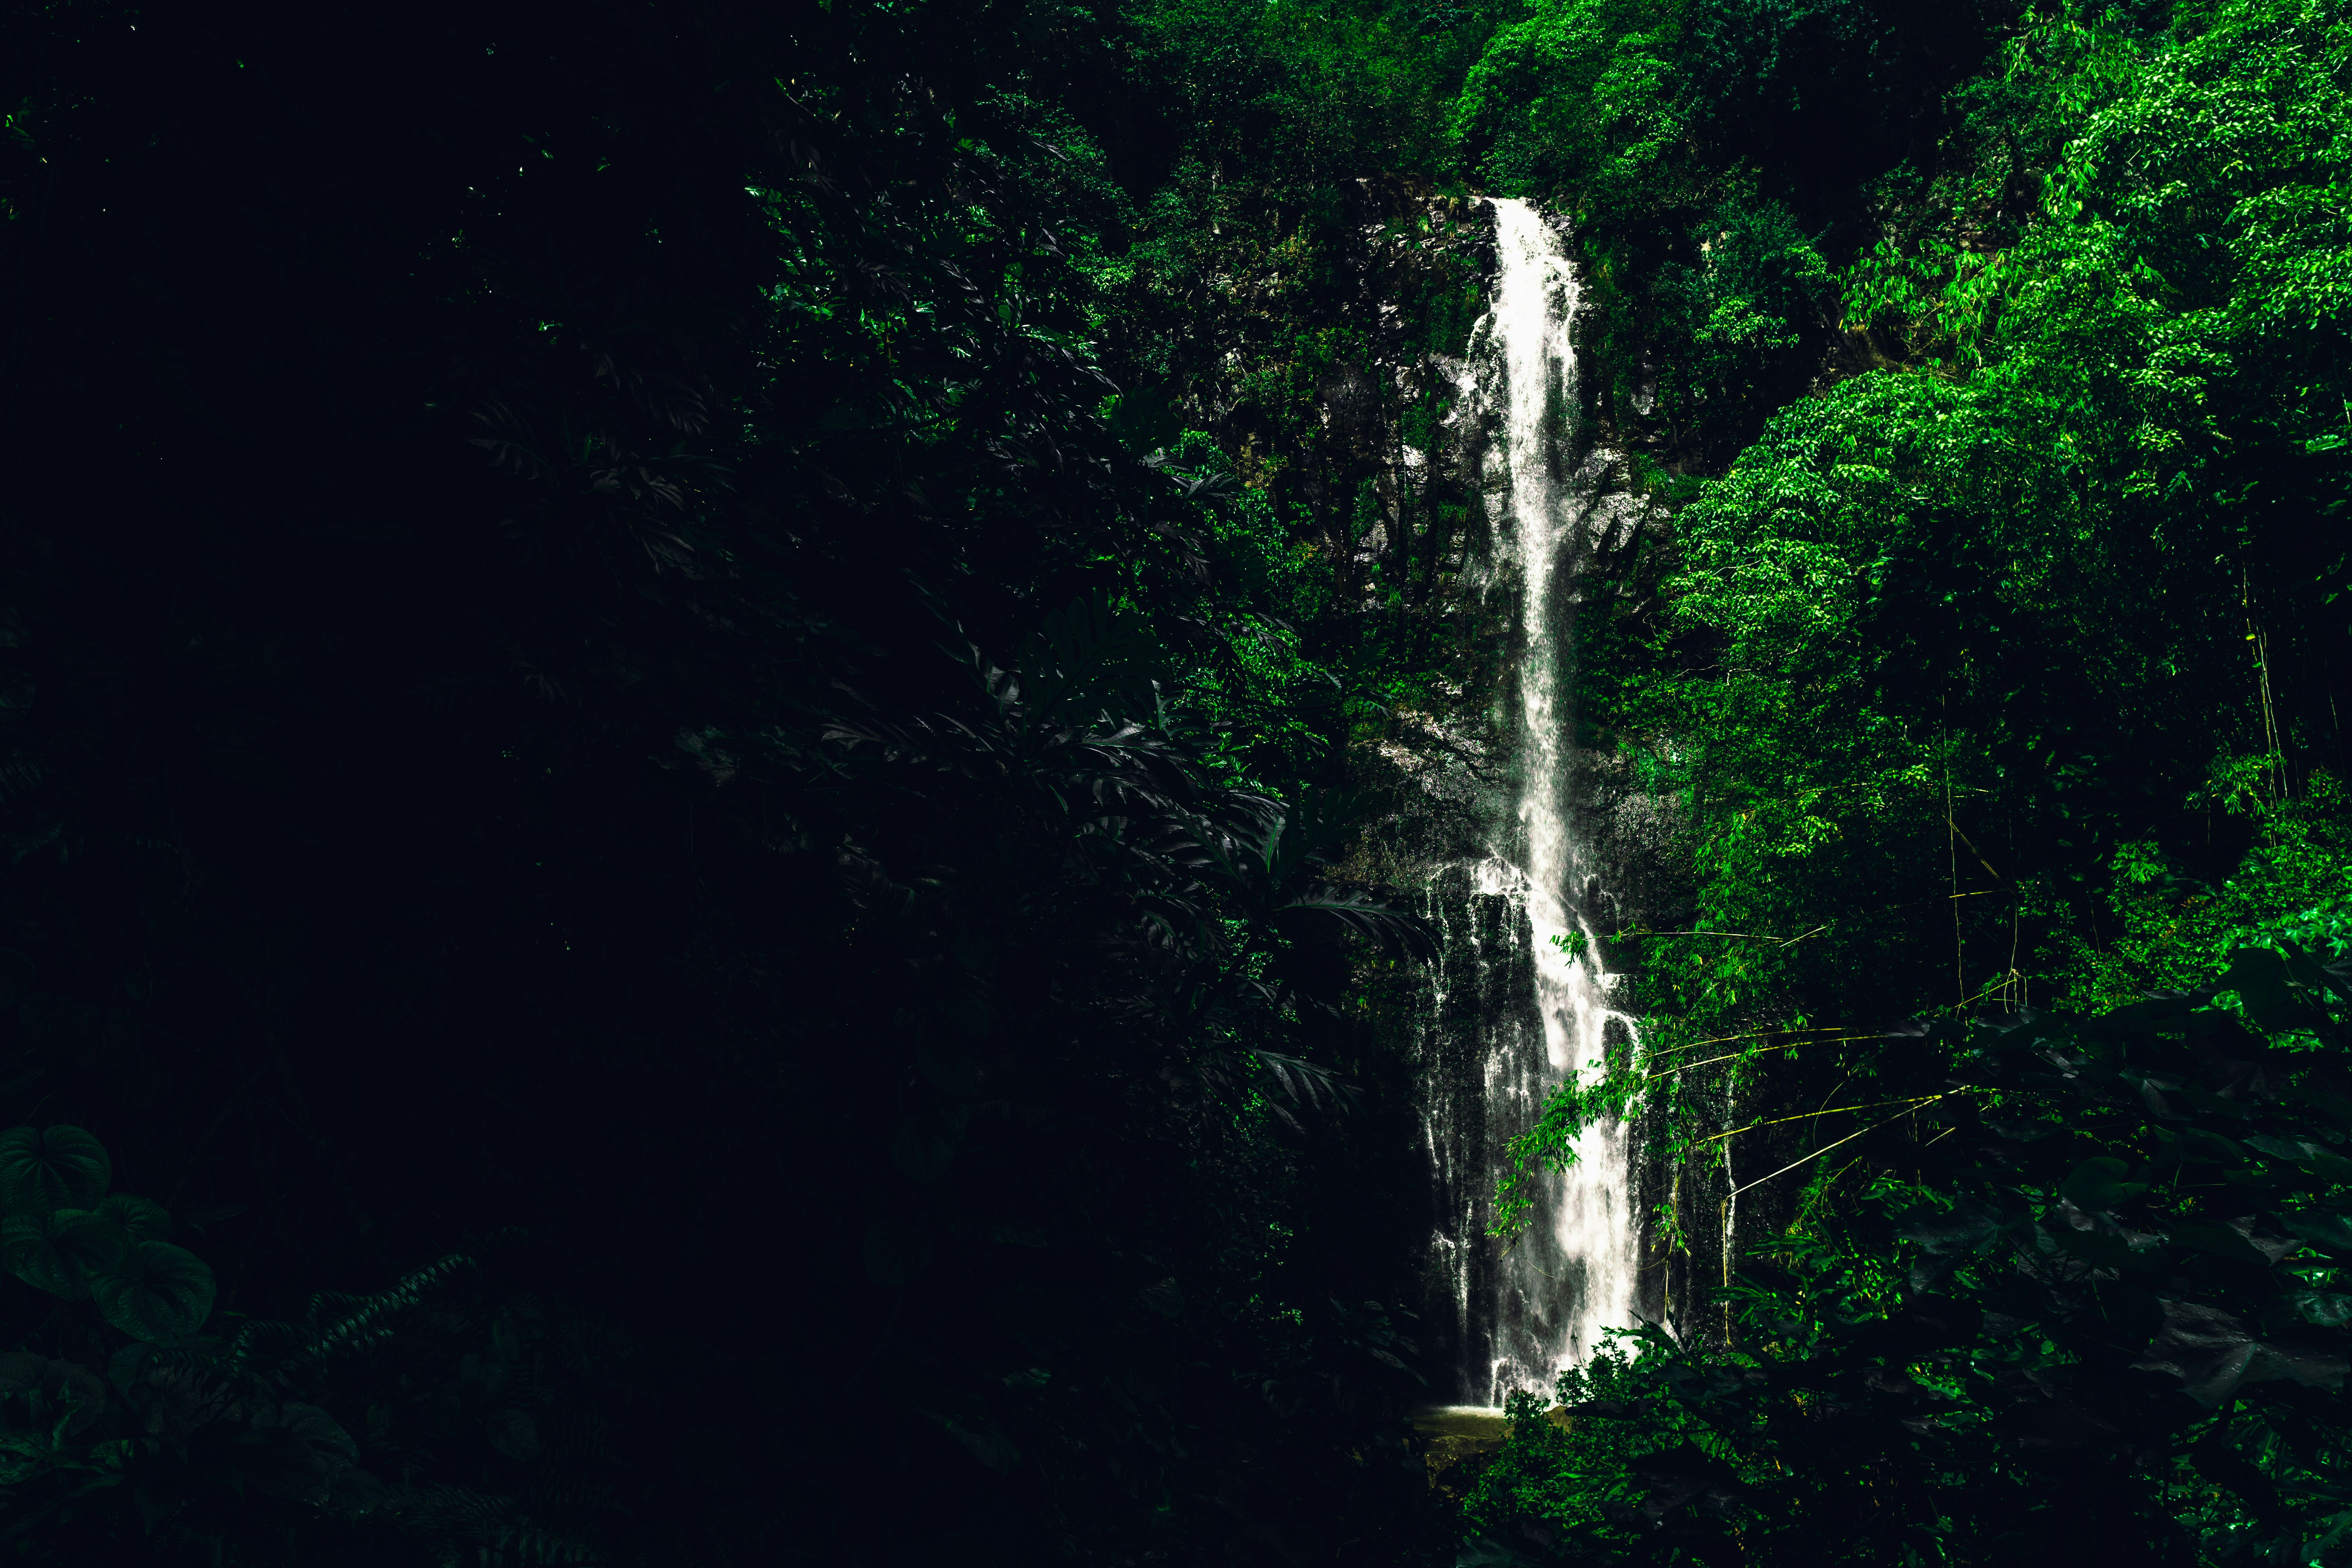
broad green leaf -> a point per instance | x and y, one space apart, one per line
2205 1144
310 1449
1964 1227
2208 1350
63 1168
156 1293
2098 1251
127 1367
318 1430
2259 977
2314 1156
138 1216
64 1382
2328 1232
2327 1312
2219 1240
62 1252
2020 1131
2098 1184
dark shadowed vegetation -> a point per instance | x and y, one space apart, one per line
690 698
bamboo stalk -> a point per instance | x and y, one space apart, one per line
1735 1056
1758 1035
1952 848
1847 1139
1808 1115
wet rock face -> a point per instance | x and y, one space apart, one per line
1635 877
1445 777
1388 280
1476 1008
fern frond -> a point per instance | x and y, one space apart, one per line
336 1324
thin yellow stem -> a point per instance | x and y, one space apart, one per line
1951 845
1737 935
1973 849
1847 1139
1756 1034
1808 1115
1740 935
1733 1055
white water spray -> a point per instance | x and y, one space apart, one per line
1573 1274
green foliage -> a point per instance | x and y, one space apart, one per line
1247 694
151 1291
1582 1469
62 1232
161 1437
1831 92
1745 306
495 762
2294 887
473 1421
1957 664
477 743
1579 99
1719 162
2000 669
2093 1296
1294 291
64 1167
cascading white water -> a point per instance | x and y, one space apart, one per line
1573 1273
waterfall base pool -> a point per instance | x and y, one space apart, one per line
1459 1421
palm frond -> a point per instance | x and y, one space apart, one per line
1394 928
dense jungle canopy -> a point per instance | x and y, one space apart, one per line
699 715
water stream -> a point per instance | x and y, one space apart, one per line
1529 1011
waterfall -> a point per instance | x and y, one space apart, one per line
1527 1012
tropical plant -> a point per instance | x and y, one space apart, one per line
2076 1283
139 1423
